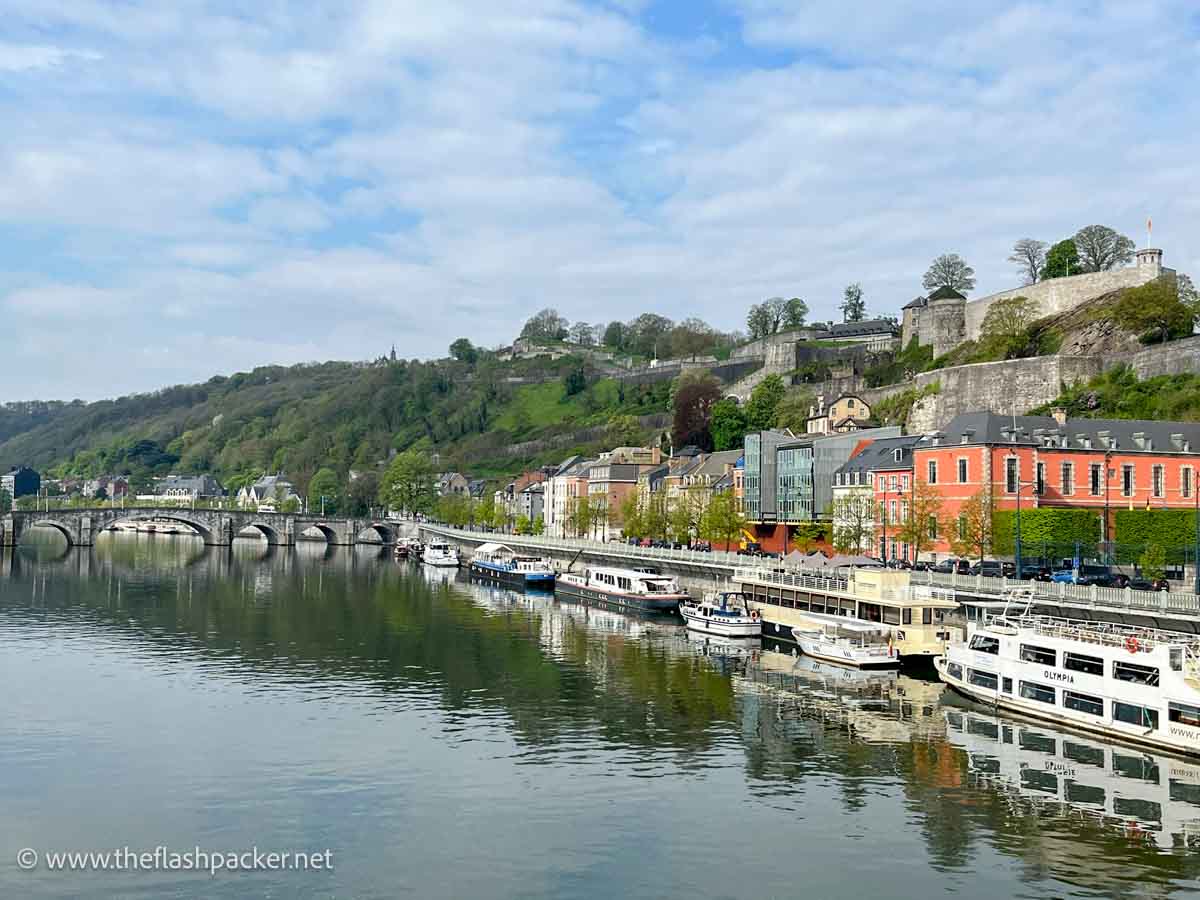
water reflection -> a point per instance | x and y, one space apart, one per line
523 746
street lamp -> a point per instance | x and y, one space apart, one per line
883 517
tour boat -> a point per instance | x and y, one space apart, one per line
838 639
627 588
1139 685
497 562
440 554
725 614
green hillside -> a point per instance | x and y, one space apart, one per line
332 415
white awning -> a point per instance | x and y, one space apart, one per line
493 550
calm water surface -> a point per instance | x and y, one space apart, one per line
443 739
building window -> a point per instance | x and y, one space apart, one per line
1040 486
1185 482
933 471
933 528
903 511
1094 479
1010 475
1068 479
962 526
892 516
962 470
1156 480
904 482
894 482
1127 480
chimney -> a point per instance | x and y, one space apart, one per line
1060 416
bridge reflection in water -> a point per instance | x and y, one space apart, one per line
504 736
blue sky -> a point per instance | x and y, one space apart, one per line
193 188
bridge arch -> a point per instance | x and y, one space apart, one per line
326 532
160 516
58 526
383 531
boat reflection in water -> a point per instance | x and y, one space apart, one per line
1146 795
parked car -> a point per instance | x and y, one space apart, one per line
953 566
1035 572
922 565
1092 573
750 548
1149 584
988 568
702 546
899 564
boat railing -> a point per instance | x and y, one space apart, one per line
1109 634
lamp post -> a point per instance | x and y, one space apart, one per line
883 517
1020 484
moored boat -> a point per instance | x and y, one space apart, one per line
846 642
725 614
500 563
626 588
1134 684
440 554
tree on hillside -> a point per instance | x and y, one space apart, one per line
583 334
324 484
972 531
694 400
625 431
795 311
464 351
728 426
1062 260
1155 310
646 334
614 335
793 411
691 337
1101 248
575 381
922 527
1029 255
407 484
764 402
1004 332
949 270
758 321
854 523
854 308
546 325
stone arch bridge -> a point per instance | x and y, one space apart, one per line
218 527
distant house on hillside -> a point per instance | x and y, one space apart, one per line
269 494
453 484
187 488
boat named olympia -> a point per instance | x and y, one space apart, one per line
500 563
441 554
725 614
643 591
1138 685
847 642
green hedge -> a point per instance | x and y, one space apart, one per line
1172 529
1052 531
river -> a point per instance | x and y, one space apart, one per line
442 739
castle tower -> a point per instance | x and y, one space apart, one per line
1149 260
943 322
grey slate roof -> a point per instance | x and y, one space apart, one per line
870 326
1104 434
946 293
880 454
915 303
715 464
200 485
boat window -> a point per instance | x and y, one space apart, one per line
906 617
1008 685
1138 809
1176 659
1084 753
1125 671
1084 703
1040 655
891 615
1037 780
983 679
985 644
1006 735
1184 714
1182 792
1077 662
624 583
955 720
926 616
1038 692
983 727
1131 714
1143 768
954 670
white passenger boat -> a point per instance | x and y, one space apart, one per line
441 554
847 642
1139 685
628 588
725 614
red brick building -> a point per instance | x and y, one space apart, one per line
1101 464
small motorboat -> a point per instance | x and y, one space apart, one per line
440 554
726 614
847 642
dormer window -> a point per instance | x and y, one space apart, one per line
898 455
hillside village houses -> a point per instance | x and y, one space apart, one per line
178 490
268 494
452 484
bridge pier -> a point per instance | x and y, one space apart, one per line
10 530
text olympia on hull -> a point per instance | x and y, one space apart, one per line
1139 685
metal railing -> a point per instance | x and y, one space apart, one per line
787 574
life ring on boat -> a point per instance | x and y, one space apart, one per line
754 614
1131 644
